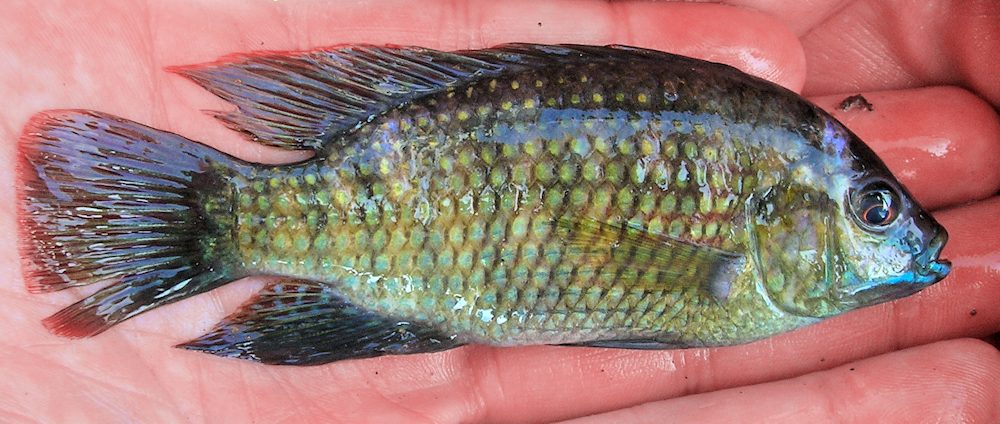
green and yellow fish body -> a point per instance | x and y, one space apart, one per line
526 194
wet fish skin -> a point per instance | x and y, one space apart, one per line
534 194
451 205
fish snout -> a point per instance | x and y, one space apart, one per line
928 264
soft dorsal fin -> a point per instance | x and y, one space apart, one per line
301 100
303 322
677 262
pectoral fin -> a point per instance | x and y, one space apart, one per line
614 248
302 322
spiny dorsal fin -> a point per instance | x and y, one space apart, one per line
301 100
677 262
302 322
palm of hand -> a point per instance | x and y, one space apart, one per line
941 142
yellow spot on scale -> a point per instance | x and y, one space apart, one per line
274 182
463 115
468 92
620 97
342 198
646 146
676 228
383 166
699 129
551 102
583 78
506 105
529 104
711 229
705 204
575 99
696 230
493 85
422 121
598 98
398 188
655 225
643 98
538 83
514 85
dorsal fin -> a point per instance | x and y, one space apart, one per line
301 100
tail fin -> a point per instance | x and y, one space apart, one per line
102 198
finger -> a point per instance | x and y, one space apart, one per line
952 381
545 383
878 45
559 383
761 45
116 52
941 142
122 73
799 16
126 47
109 57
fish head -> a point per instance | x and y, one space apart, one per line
891 244
842 233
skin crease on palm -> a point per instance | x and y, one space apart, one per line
929 68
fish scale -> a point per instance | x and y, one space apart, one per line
524 194
469 135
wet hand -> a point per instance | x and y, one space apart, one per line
902 361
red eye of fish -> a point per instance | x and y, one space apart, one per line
877 205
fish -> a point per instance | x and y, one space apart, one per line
602 196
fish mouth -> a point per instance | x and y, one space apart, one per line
927 266
927 269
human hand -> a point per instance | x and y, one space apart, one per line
941 142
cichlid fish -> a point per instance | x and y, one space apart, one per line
523 194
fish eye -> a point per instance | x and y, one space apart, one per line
876 205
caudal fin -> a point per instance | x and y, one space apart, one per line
102 198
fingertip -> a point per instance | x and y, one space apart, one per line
749 40
941 142
973 41
945 381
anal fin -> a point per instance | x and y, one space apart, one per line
302 322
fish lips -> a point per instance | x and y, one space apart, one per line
927 269
927 266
